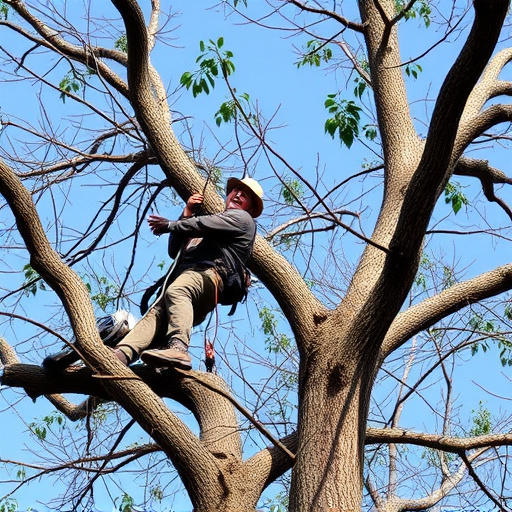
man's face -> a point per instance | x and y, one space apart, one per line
239 199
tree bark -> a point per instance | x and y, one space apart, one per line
340 362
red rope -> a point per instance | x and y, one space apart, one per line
209 351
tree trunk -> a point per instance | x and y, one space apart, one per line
334 398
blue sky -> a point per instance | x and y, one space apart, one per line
265 69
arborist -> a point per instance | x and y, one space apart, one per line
212 252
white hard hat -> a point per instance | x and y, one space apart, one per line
252 186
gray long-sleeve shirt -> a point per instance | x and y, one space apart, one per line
224 236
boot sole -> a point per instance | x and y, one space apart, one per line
164 362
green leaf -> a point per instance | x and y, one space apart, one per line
314 54
359 88
345 121
370 132
186 79
204 86
454 196
122 44
212 59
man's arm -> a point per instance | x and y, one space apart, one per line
228 224
159 225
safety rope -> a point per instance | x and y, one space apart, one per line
209 350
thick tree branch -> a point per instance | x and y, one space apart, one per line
438 159
153 115
69 409
432 172
489 86
189 390
204 394
272 462
436 442
74 412
478 445
431 310
243 410
7 353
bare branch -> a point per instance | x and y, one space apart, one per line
487 175
358 27
431 310
52 40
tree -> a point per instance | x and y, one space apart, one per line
354 320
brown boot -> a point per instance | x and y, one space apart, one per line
121 356
176 356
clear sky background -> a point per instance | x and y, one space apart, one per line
265 68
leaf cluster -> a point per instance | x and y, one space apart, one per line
345 120
122 44
33 281
73 82
454 196
41 428
274 342
413 70
479 324
482 424
292 190
107 294
420 10
126 504
4 13
230 110
8 505
316 53
213 59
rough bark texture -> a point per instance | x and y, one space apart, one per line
340 360
340 349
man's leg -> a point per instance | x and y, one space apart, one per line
189 298
142 335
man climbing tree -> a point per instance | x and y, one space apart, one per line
210 270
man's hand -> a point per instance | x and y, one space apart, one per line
158 225
193 202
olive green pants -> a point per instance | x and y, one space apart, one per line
185 303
